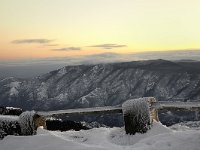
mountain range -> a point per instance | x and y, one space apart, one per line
103 85
107 84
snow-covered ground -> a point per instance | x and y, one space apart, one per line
158 138
184 126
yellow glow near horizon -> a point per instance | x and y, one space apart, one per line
142 25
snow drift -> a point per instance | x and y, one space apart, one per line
158 138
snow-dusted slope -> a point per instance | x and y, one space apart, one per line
103 85
158 138
184 126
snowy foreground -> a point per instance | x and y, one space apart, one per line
158 138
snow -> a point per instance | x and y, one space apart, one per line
8 118
81 110
12 108
62 71
62 97
176 104
121 138
158 138
184 126
7 79
139 105
14 86
83 100
42 92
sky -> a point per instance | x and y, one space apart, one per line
32 29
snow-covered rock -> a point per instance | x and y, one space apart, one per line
25 124
136 115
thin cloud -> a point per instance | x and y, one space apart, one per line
32 41
67 49
35 67
51 45
108 46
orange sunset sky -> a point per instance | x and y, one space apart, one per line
58 28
